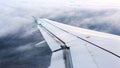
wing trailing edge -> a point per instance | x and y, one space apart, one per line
85 48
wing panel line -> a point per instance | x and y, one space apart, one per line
86 41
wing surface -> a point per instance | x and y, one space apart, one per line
88 49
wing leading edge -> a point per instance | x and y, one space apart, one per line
77 47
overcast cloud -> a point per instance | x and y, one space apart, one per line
18 32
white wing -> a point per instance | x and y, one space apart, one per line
75 47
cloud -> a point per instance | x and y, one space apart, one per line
18 32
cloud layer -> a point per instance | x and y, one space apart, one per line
18 32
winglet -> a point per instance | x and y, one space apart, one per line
35 19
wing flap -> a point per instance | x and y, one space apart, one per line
57 60
50 41
83 53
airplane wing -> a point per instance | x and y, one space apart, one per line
75 47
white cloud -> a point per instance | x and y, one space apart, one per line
98 4
15 13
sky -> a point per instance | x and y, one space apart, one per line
18 12
18 32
